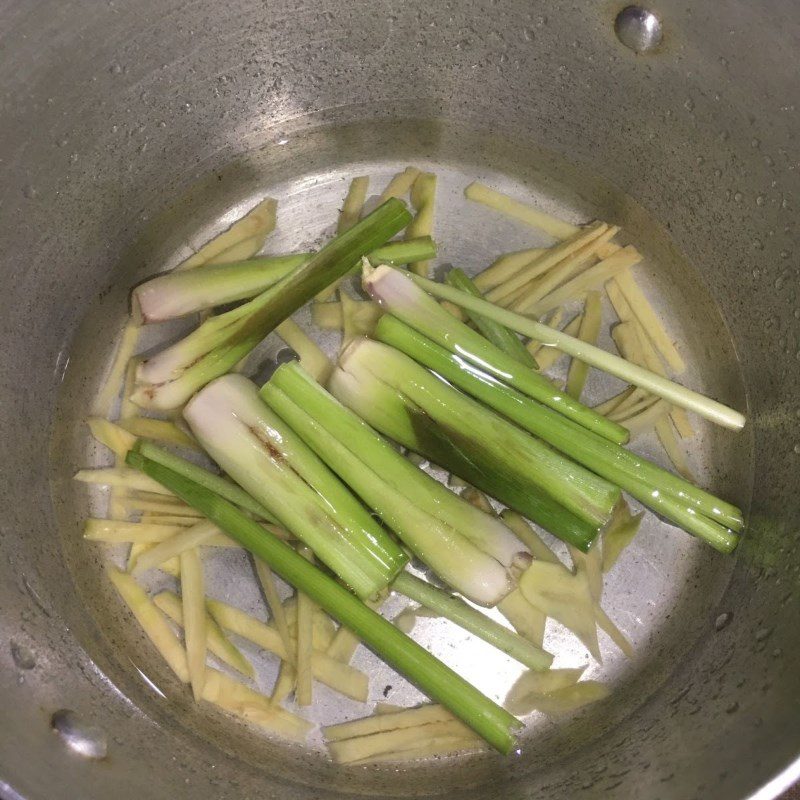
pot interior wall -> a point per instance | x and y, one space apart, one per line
671 157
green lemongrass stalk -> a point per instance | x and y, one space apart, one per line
266 458
453 557
182 292
400 652
395 416
170 378
672 496
486 435
397 294
506 340
463 615
608 362
218 484
484 530
419 248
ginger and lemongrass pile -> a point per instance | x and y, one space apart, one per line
317 473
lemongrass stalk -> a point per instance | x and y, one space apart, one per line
432 677
171 377
395 416
266 580
400 297
218 484
178 293
272 463
547 356
194 618
260 220
486 532
218 644
694 509
473 572
466 617
508 449
415 248
506 340
594 356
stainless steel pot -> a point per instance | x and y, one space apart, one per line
123 124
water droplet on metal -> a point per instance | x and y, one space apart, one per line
85 740
760 200
737 196
723 620
639 29
23 656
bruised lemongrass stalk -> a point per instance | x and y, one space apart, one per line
592 355
429 674
398 295
170 378
178 293
466 617
395 416
694 509
506 340
485 435
225 488
445 549
484 530
272 463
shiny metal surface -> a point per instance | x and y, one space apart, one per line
133 131
639 29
